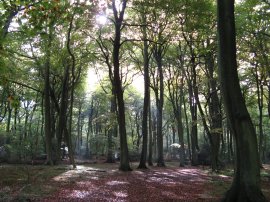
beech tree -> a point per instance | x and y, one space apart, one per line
146 102
118 25
246 183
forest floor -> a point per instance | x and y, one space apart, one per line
104 182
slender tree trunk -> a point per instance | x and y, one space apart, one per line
173 141
79 134
26 117
180 128
260 108
73 81
268 103
159 94
215 114
146 98
9 117
118 17
154 124
228 137
89 130
187 129
112 130
62 117
213 131
194 130
175 90
246 183
150 153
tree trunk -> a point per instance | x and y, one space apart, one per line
154 123
146 98
62 116
180 130
112 130
187 129
118 17
9 117
213 131
79 129
259 86
246 183
194 130
73 82
214 112
89 129
150 153
268 89
159 94
47 101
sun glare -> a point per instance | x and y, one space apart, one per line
101 19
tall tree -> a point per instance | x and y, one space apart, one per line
47 99
175 90
146 92
117 82
246 183
161 34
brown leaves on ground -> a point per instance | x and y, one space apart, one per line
155 184
103 182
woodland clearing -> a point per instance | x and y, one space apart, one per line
104 182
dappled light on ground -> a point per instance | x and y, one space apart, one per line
223 176
116 183
120 194
155 184
79 172
104 182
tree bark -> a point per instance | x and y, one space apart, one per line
9 109
150 148
118 17
175 89
146 97
194 129
215 126
89 129
47 100
259 86
246 183
112 131
187 129
73 82
62 117
159 95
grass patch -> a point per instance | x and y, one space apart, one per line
24 182
218 187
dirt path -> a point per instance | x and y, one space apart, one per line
155 184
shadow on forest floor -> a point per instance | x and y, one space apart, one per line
103 182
